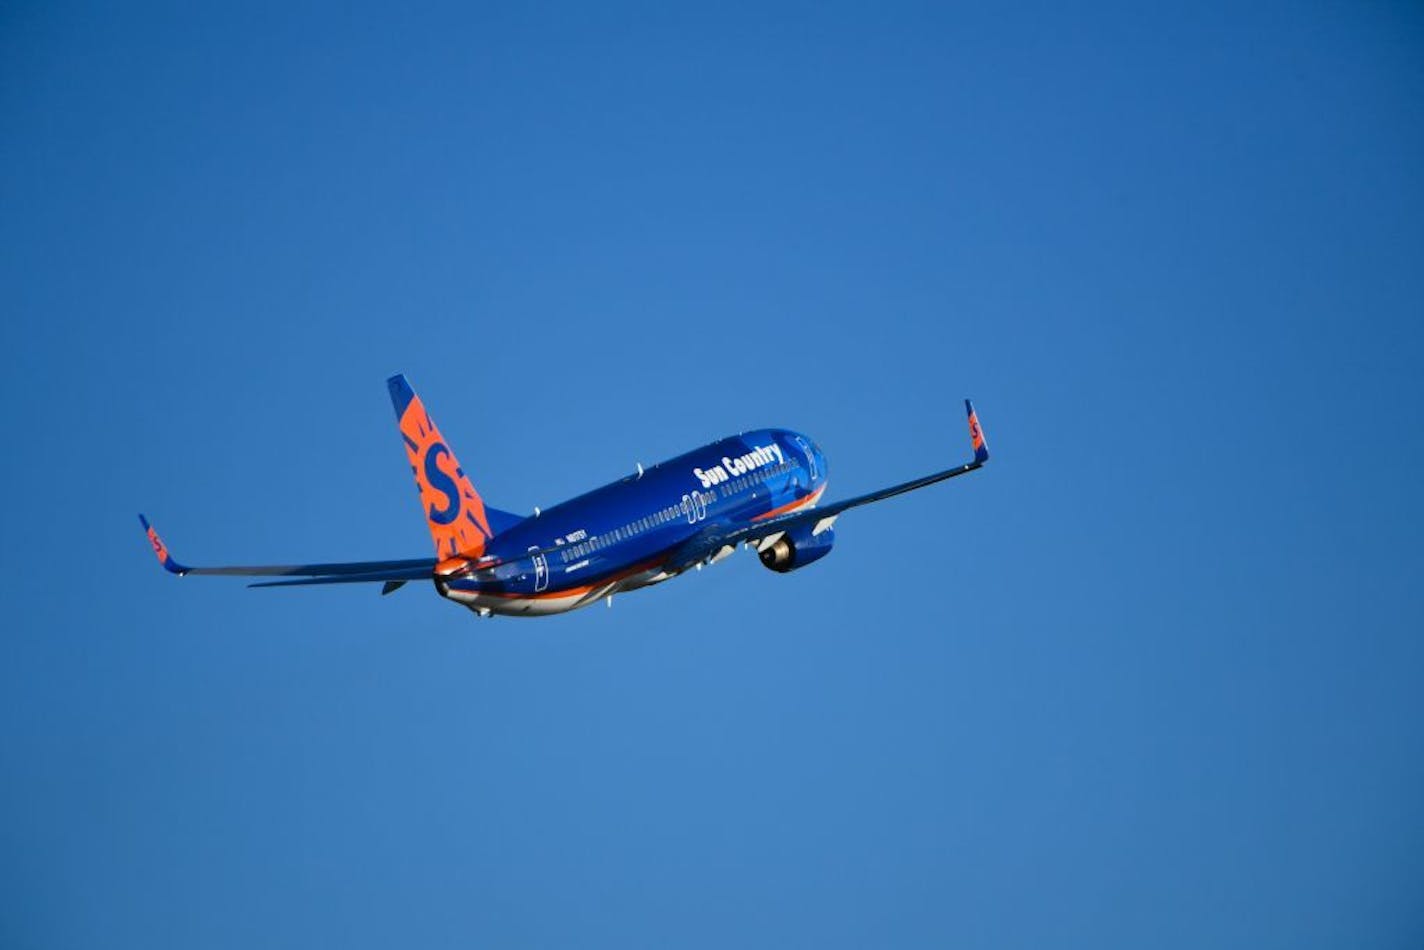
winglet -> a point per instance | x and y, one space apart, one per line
161 549
976 434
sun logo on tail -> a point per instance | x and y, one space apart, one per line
453 509
442 483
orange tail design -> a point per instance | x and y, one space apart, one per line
453 509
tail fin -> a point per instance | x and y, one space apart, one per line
976 434
459 522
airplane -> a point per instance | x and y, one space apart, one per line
760 489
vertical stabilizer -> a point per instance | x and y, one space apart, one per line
453 510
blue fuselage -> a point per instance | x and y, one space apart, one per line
627 533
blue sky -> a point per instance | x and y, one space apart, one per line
1154 677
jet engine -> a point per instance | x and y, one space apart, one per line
797 548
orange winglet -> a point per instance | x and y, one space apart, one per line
160 549
976 434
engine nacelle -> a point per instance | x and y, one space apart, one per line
797 548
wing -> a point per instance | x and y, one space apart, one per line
715 538
339 572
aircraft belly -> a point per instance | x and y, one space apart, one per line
516 606
554 601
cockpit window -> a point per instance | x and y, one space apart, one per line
811 454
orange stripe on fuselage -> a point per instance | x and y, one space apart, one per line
570 591
810 499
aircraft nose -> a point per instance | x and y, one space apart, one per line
810 453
